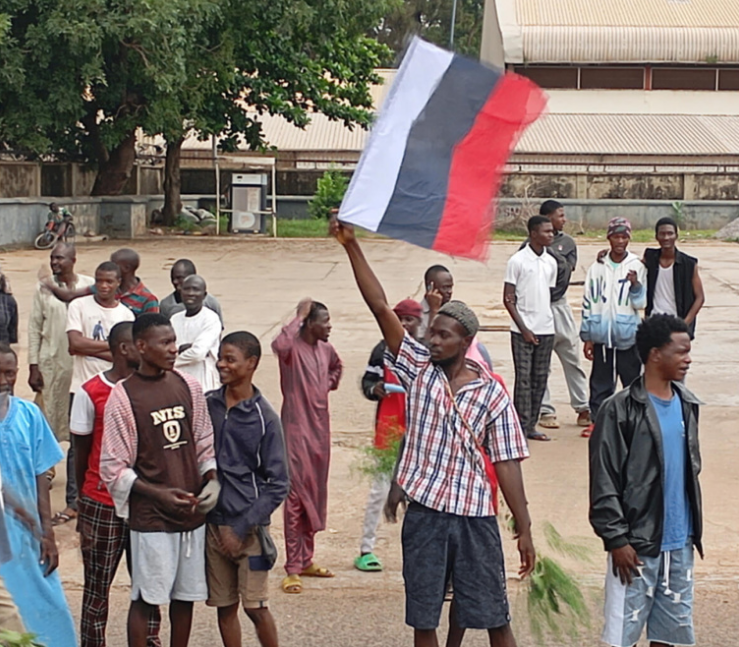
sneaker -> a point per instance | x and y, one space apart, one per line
549 421
583 419
588 431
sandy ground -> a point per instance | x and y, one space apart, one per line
259 282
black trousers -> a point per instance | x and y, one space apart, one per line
608 365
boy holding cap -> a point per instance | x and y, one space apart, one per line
614 294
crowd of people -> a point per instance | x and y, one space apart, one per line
177 461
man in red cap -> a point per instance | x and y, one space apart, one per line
381 385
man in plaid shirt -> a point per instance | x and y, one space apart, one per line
459 418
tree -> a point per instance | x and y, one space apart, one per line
173 67
283 58
432 19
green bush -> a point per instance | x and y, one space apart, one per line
330 192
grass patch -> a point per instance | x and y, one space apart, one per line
318 228
311 228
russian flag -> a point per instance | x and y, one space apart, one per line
436 155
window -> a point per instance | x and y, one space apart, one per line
615 78
728 79
550 77
675 78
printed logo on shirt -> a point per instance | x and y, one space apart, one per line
169 418
98 332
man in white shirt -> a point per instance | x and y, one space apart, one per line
198 331
530 276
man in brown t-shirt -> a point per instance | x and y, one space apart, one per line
159 466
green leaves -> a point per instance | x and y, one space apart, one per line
330 190
77 77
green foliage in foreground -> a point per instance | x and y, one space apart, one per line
379 462
556 605
14 639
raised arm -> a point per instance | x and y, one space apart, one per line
369 286
283 344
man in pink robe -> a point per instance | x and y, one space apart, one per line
309 369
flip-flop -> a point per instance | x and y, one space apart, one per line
367 562
587 432
60 518
537 435
316 571
292 584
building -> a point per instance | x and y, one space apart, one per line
643 100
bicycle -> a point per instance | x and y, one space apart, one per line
55 232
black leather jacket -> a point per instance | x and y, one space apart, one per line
626 470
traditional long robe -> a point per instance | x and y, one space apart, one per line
48 347
307 374
203 331
28 449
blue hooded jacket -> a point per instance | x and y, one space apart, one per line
251 459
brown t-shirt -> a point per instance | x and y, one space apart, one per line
162 407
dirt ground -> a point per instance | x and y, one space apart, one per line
259 282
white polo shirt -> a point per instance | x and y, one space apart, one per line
534 276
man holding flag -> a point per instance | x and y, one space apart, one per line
461 414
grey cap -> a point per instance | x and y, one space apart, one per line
463 314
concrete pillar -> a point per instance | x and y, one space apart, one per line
690 187
581 186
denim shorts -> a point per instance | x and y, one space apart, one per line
660 598
440 547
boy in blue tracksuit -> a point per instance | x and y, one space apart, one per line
252 471
615 292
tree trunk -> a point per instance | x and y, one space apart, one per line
172 184
114 173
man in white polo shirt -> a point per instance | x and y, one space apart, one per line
530 275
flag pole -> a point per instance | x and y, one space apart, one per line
454 20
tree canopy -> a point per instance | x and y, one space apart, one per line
432 19
80 78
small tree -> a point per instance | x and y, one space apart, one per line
330 192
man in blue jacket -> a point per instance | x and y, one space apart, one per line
252 470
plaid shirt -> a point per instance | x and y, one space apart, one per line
441 467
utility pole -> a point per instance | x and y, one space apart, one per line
454 20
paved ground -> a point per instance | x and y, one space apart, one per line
259 282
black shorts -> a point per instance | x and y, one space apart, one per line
439 547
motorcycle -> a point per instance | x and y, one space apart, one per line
55 232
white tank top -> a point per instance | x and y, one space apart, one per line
664 292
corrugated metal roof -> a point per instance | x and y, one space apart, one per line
630 44
628 13
620 31
667 135
577 134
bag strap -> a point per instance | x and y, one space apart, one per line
466 424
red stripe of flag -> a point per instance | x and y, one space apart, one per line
478 162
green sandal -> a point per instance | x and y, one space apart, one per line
367 563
